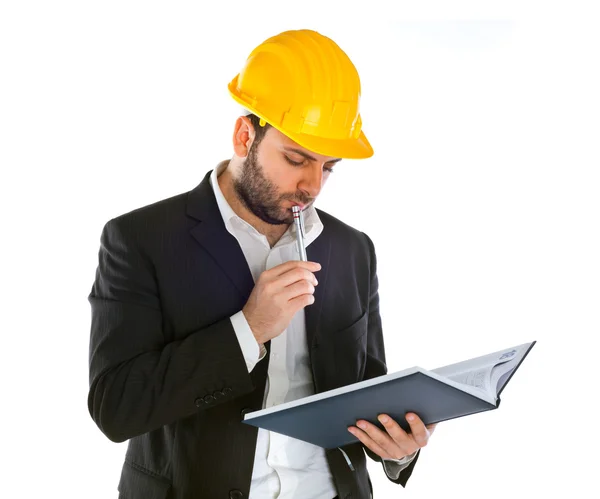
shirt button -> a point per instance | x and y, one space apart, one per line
236 494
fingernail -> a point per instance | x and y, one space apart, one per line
410 417
361 425
383 419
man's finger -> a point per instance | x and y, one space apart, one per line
368 441
418 429
292 264
400 437
386 441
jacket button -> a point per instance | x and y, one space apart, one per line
208 399
199 402
245 411
226 390
218 395
236 494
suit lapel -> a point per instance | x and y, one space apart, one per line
318 251
213 236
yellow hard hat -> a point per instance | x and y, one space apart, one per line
304 85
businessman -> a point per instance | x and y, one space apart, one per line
202 310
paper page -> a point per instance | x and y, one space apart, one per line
479 378
485 371
465 387
501 372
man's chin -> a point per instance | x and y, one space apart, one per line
281 219
284 216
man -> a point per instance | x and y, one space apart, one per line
202 310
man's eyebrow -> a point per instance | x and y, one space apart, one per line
308 156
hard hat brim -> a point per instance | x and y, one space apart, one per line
359 148
348 149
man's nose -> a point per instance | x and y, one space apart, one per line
312 181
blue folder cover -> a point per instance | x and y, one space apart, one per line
323 419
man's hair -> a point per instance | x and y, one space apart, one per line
260 131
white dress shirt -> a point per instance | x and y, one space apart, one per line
284 467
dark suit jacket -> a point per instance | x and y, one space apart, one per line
166 369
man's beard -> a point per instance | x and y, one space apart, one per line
259 194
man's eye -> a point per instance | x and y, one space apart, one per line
328 169
295 163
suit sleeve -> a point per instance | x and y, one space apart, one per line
376 362
393 467
139 381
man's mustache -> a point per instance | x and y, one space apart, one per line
299 200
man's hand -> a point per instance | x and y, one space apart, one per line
279 293
396 443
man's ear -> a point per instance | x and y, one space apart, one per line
243 136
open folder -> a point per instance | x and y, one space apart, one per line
436 395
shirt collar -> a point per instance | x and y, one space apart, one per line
226 211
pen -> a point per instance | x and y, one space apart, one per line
299 223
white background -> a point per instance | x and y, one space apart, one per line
482 200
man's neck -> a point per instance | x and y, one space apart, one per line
272 232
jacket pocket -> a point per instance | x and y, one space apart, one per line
347 352
138 483
354 331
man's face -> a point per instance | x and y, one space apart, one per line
278 174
